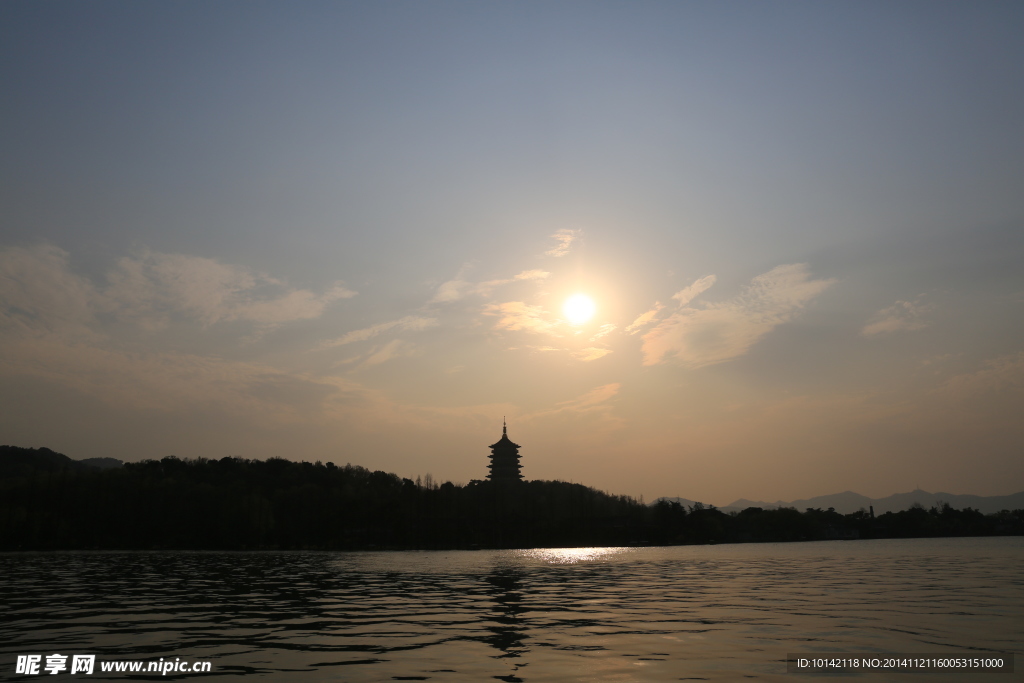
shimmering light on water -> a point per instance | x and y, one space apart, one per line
720 613
570 555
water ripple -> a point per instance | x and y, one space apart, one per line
687 613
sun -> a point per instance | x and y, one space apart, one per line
579 308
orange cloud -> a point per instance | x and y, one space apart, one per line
644 318
564 239
517 315
696 337
688 294
456 289
589 354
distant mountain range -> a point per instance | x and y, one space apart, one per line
848 501
15 461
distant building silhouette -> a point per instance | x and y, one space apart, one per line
504 459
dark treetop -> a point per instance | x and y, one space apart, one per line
48 501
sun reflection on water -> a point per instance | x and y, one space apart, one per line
571 555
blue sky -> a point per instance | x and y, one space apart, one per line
345 231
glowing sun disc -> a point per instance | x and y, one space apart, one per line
579 308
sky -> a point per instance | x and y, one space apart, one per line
345 231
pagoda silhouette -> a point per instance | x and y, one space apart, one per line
504 458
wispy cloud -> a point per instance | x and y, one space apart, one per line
718 332
153 286
564 239
1001 374
453 290
688 294
459 288
645 319
393 349
604 331
485 288
591 353
151 289
410 322
683 296
517 315
39 293
62 328
902 316
535 274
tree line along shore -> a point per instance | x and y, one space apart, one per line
50 502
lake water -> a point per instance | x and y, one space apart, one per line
717 613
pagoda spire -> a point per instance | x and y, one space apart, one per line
504 458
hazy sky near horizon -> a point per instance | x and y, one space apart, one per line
345 231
